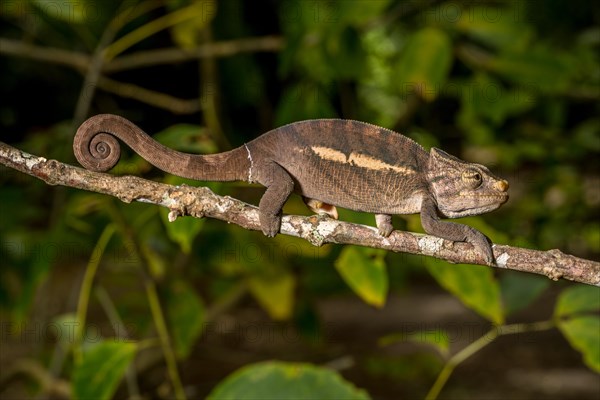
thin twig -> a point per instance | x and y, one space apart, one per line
172 55
175 55
156 309
92 73
479 344
53 55
201 202
86 289
154 98
121 334
50 386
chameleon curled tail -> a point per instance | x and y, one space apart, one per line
96 148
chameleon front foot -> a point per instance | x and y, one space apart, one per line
481 244
384 224
270 224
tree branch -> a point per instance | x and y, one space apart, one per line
81 61
173 55
201 202
151 97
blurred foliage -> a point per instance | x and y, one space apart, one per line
511 84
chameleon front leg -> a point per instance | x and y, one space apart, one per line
279 187
432 224
384 224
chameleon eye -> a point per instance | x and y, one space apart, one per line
473 178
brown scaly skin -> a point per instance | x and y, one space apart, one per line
330 162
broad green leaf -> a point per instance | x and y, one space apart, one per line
577 299
438 339
187 32
304 101
494 26
425 63
519 289
582 333
487 97
101 370
274 292
183 230
475 286
274 380
538 70
364 270
186 313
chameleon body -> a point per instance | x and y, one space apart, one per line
330 162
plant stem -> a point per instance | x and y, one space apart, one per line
120 334
163 334
150 28
455 360
527 327
479 344
153 301
86 288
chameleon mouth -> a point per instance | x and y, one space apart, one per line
480 203
503 197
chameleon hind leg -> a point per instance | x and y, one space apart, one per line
321 208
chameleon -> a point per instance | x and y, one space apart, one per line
330 163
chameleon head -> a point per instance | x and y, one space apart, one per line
461 188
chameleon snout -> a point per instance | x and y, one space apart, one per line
501 185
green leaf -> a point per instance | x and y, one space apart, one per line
487 97
279 381
274 292
494 26
187 33
186 314
519 289
475 286
364 270
101 370
304 101
577 299
538 70
438 339
582 333
183 230
425 63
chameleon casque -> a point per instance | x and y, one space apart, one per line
330 162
